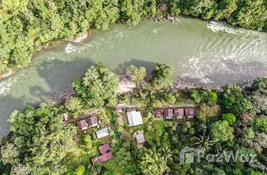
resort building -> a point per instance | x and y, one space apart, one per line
158 113
134 118
190 112
168 113
104 148
105 157
102 133
92 121
140 138
179 113
82 125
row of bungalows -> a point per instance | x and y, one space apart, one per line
178 113
85 123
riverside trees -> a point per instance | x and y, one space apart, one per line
97 86
27 24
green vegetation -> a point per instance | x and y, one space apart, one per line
41 143
26 25
98 85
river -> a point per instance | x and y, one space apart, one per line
201 53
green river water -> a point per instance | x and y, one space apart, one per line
201 53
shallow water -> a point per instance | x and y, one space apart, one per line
201 53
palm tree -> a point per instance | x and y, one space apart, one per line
204 142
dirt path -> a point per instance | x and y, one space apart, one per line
84 116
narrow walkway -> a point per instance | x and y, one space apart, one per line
161 106
84 116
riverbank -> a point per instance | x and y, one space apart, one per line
78 39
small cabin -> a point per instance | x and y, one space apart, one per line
140 138
92 121
190 112
179 113
105 157
168 113
158 113
104 148
82 125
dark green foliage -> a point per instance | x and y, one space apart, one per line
221 131
97 86
229 117
39 141
136 74
203 97
259 95
162 76
234 101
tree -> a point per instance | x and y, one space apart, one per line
162 76
97 86
39 142
221 131
259 95
261 124
152 163
204 97
246 117
73 103
204 142
234 101
137 74
80 170
229 117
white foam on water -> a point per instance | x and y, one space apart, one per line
6 85
70 48
221 27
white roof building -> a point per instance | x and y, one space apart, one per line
134 118
102 133
140 138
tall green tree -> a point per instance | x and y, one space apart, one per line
137 74
162 76
39 141
221 131
234 101
97 86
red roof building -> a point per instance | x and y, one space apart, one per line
82 125
105 157
104 148
92 121
158 113
168 113
179 113
190 112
